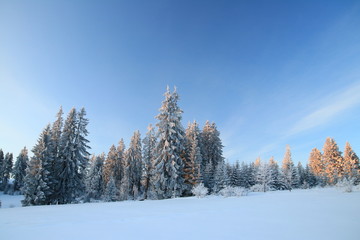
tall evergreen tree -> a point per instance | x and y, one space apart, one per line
19 170
149 144
56 132
73 157
317 166
211 146
276 182
6 171
351 163
94 180
264 177
289 172
221 178
332 160
193 158
38 178
110 163
134 158
168 180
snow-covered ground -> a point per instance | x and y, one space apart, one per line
300 214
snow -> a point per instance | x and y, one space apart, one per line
301 214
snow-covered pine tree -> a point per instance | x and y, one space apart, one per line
235 175
36 186
311 179
302 176
276 182
111 191
119 164
149 144
332 160
19 170
74 157
264 177
168 179
6 171
289 172
211 146
56 132
351 164
81 150
193 158
134 158
94 180
221 178
247 175
317 166
208 176
110 163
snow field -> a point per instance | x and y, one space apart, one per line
301 214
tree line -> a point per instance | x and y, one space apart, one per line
168 162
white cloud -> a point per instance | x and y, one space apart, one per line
334 105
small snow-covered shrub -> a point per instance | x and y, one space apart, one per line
346 185
259 188
200 190
233 192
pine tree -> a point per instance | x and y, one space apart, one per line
119 164
81 150
277 183
289 172
333 161
302 176
36 187
6 171
19 170
234 175
168 180
134 158
317 166
264 177
94 179
211 146
56 132
73 157
351 164
193 158
208 177
149 144
110 163
221 178
110 191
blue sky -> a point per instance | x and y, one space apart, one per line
269 73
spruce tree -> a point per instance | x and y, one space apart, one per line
277 183
149 144
351 164
19 170
317 166
332 160
111 191
6 171
110 163
134 159
168 181
38 177
73 157
221 178
211 146
94 180
193 158
289 172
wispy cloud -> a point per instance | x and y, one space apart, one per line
333 106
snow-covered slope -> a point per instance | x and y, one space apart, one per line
300 214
